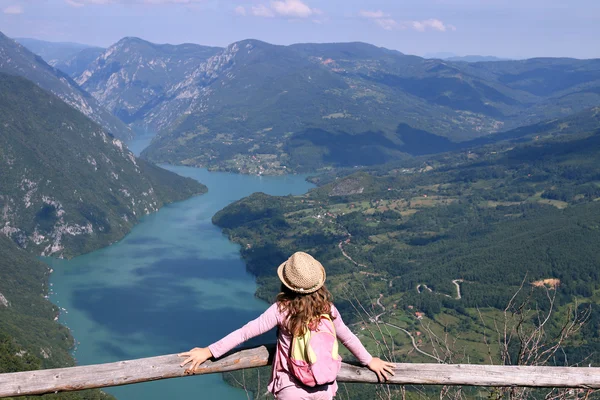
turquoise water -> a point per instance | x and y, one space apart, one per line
175 282
143 138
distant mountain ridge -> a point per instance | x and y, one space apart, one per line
17 60
70 58
140 75
256 107
256 98
54 53
468 58
475 58
79 62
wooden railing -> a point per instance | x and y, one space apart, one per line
165 367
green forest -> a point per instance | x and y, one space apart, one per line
30 339
445 242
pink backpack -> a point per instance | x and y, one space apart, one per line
314 358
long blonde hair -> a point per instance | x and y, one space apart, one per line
303 309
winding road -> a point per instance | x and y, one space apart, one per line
425 286
414 342
341 246
456 283
376 318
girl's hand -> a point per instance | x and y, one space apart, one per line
195 356
379 366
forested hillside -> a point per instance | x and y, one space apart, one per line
30 338
17 60
260 108
66 187
446 238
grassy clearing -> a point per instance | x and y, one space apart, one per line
556 203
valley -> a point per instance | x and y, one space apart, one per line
450 201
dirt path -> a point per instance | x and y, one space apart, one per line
376 318
379 302
341 246
425 287
414 342
456 283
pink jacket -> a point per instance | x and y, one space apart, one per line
271 318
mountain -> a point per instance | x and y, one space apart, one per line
17 60
469 58
54 52
70 58
441 55
76 64
474 58
68 186
417 143
257 107
133 76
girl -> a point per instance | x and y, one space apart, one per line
303 298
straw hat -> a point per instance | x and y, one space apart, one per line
301 273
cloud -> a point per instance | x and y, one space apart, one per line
280 8
240 10
380 18
262 11
185 2
81 3
14 10
372 14
433 24
386 22
292 8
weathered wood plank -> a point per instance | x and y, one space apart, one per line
480 375
165 367
122 373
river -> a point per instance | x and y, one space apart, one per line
175 282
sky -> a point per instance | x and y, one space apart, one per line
502 28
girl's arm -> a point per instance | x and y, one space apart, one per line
262 324
349 339
353 344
